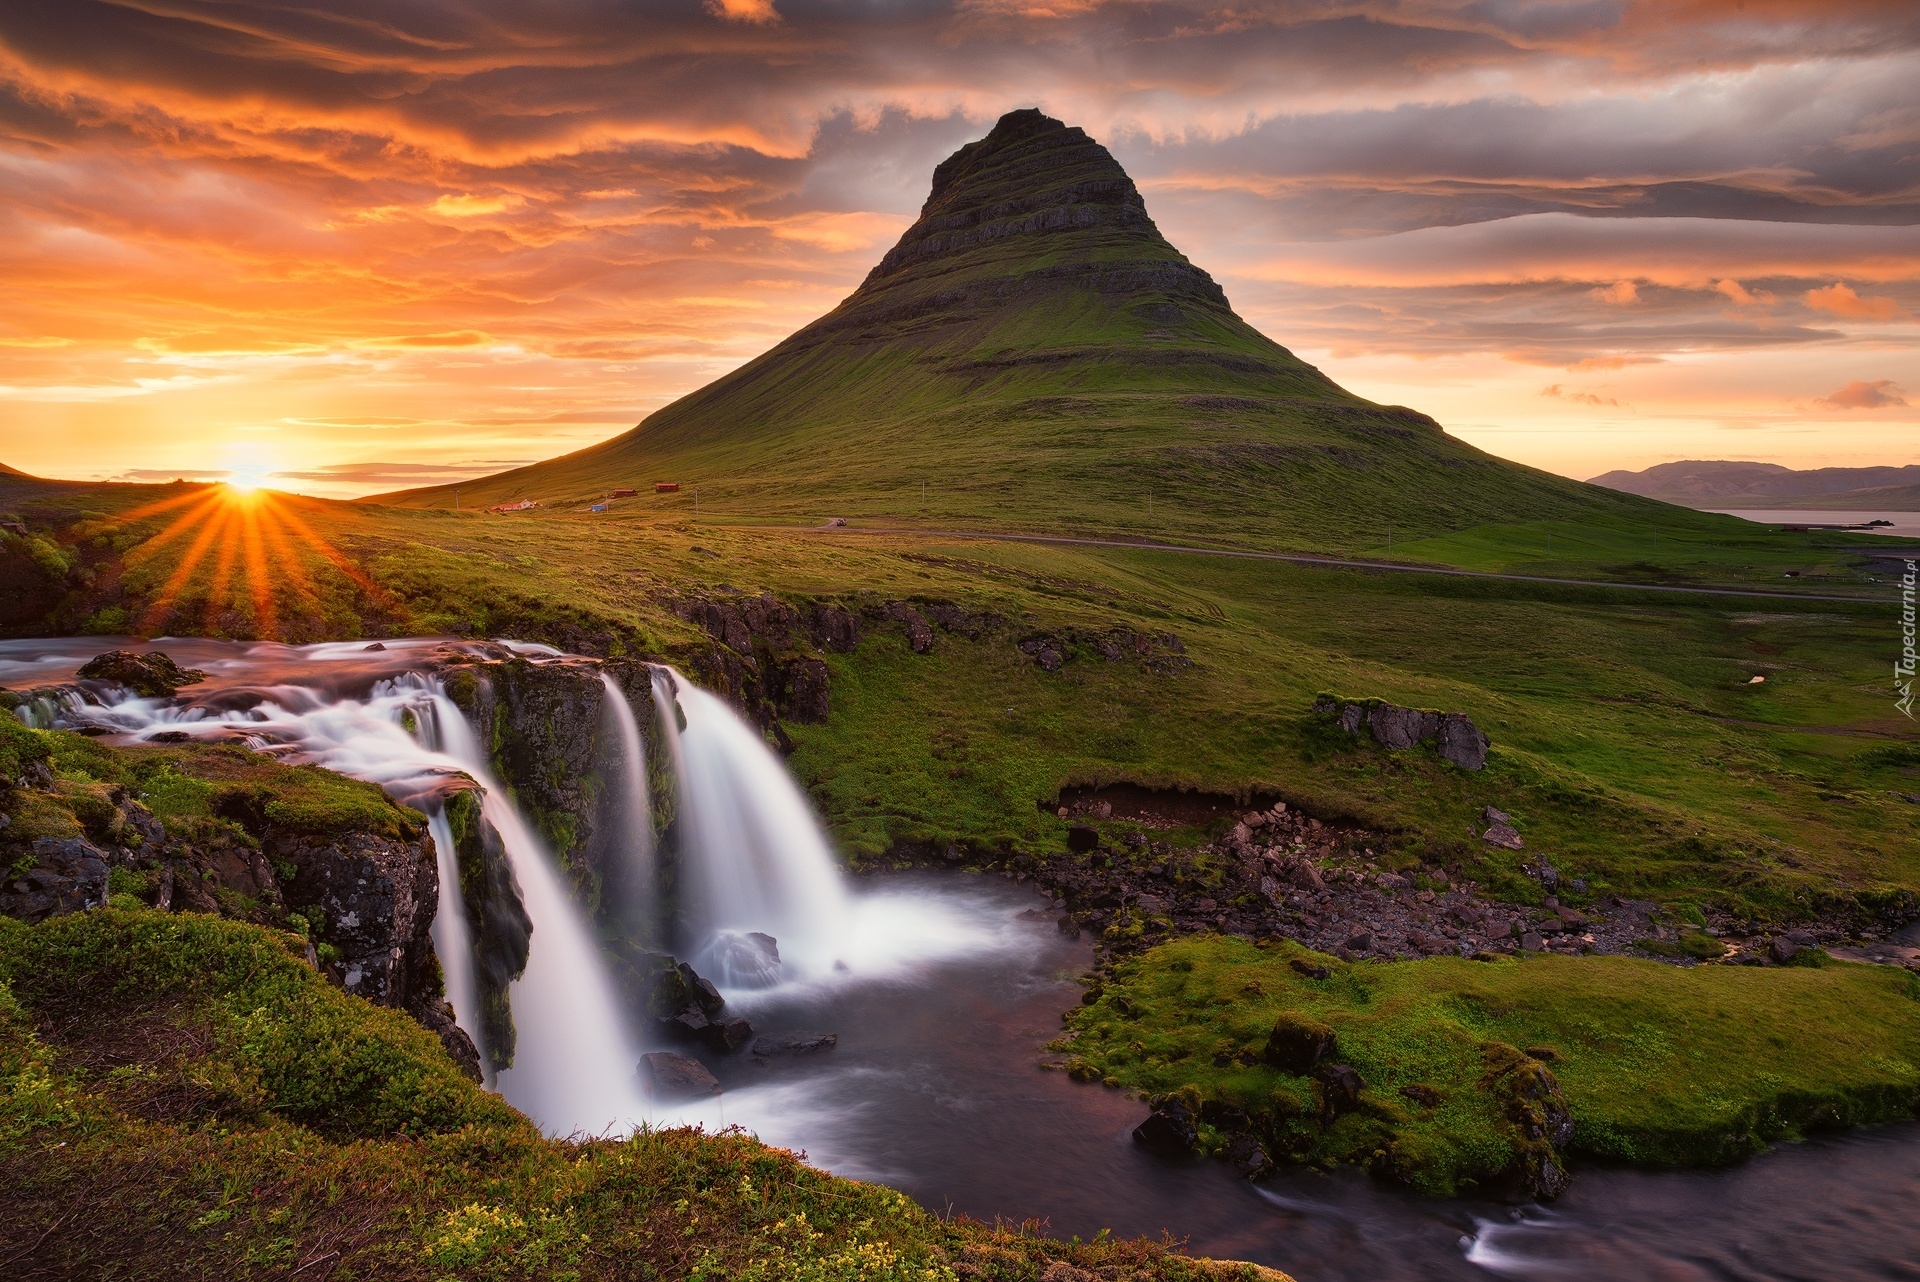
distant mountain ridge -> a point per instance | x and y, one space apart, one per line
1035 354
1730 484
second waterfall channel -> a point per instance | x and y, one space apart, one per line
706 850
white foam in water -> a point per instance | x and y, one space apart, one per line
1503 1249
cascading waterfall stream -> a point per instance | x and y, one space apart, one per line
452 936
635 805
753 856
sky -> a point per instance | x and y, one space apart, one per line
367 244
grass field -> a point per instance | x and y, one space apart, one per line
1628 736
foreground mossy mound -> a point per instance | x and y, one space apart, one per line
181 1096
1658 1065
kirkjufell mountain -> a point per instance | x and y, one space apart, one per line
1037 355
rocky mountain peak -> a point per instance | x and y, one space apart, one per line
1031 176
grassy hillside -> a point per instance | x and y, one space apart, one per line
1627 731
1037 356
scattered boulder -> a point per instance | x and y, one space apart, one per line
1360 941
1308 969
771 1044
1500 830
677 1076
1169 1128
1338 1086
1246 1155
1453 734
153 675
1783 950
724 1036
1081 838
1297 1043
69 875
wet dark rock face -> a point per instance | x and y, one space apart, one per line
496 915
152 675
67 875
555 744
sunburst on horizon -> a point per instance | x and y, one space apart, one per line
245 544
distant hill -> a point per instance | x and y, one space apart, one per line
1036 354
1723 484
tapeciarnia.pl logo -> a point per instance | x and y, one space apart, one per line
1903 666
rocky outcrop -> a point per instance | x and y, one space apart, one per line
67 875
152 675
377 896
1453 734
358 878
556 746
773 1044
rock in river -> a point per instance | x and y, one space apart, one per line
794 1043
1169 1129
677 1075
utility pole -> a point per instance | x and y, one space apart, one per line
456 500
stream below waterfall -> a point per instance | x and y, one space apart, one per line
942 987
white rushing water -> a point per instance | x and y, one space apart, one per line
752 855
635 808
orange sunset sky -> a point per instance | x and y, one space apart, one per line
350 247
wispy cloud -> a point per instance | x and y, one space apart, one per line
1857 395
462 226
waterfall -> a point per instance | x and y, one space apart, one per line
573 1063
452 936
634 809
753 859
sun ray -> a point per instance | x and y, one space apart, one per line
293 569
189 561
259 584
180 525
199 494
338 558
232 523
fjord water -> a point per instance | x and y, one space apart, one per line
943 988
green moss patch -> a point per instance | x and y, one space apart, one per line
1659 1065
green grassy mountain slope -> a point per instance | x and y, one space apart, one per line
1037 355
